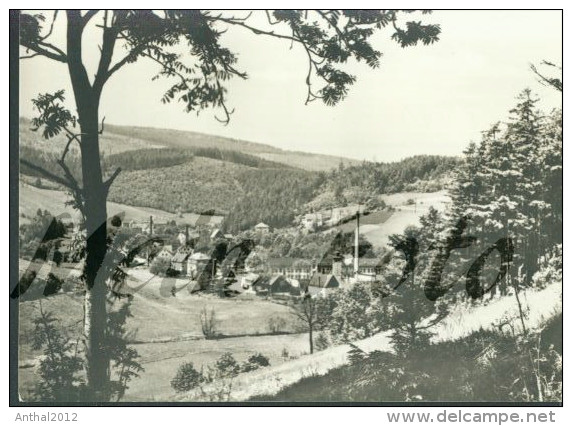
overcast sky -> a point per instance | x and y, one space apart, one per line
422 100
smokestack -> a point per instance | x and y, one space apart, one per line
356 245
187 233
151 225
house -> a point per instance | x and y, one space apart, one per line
369 266
272 285
311 221
292 268
262 228
179 262
322 284
165 253
331 263
248 280
196 263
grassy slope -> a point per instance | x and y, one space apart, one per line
32 198
110 142
185 139
168 331
270 381
405 215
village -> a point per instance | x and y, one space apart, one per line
231 265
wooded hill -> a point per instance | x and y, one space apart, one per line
189 175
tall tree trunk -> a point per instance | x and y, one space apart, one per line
311 338
95 209
96 288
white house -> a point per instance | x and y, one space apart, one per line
262 228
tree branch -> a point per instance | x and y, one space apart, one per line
51 26
109 181
41 50
29 56
258 31
47 174
88 15
102 74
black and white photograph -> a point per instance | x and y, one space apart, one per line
287 207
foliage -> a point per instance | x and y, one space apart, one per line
276 324
306 312
322 342
53 285
209 323
550 269
510 185
254 362
150 158
351 314
227 366
272 196
187 378
60 367
159 266
43 227
486 366
124 359
196 186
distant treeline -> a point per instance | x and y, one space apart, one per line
154 158
238 158
150 158
388 178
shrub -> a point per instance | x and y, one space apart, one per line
187 378
322 342
226 366
172 272
60 367
58 257
53 285
276 324
159 266
208 323
255 361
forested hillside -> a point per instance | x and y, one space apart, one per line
197 141
198 185
186 172
272 196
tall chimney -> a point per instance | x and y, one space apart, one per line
356 245
151 225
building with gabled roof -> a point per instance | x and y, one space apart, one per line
262 228
322 283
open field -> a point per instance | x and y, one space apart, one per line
405 214
168 330
167 334
110 142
